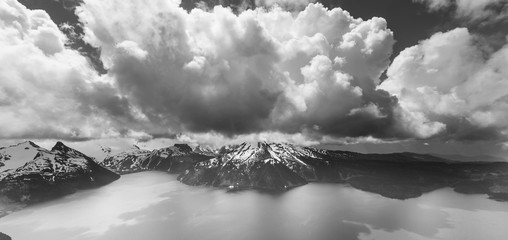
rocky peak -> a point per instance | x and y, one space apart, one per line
61 148
256 146
183 147
33 144
106 150
206 150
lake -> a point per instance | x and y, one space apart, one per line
154 205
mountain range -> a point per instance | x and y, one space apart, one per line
278 166
29 173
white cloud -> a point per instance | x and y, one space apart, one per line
132 49
269 71
448 80
371 109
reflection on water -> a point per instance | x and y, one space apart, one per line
155 206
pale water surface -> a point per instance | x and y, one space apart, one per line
154 205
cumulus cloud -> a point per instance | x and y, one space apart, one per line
46 89
260 70
304 76
448 83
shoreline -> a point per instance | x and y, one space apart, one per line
9 208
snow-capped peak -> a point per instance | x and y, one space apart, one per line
206 150
282 152
17 155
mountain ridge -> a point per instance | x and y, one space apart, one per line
282 166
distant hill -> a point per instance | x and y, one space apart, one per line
479 158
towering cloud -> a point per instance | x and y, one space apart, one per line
307 76
314 71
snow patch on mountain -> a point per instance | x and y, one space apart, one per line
15 156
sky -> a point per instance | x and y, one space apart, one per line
349 74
